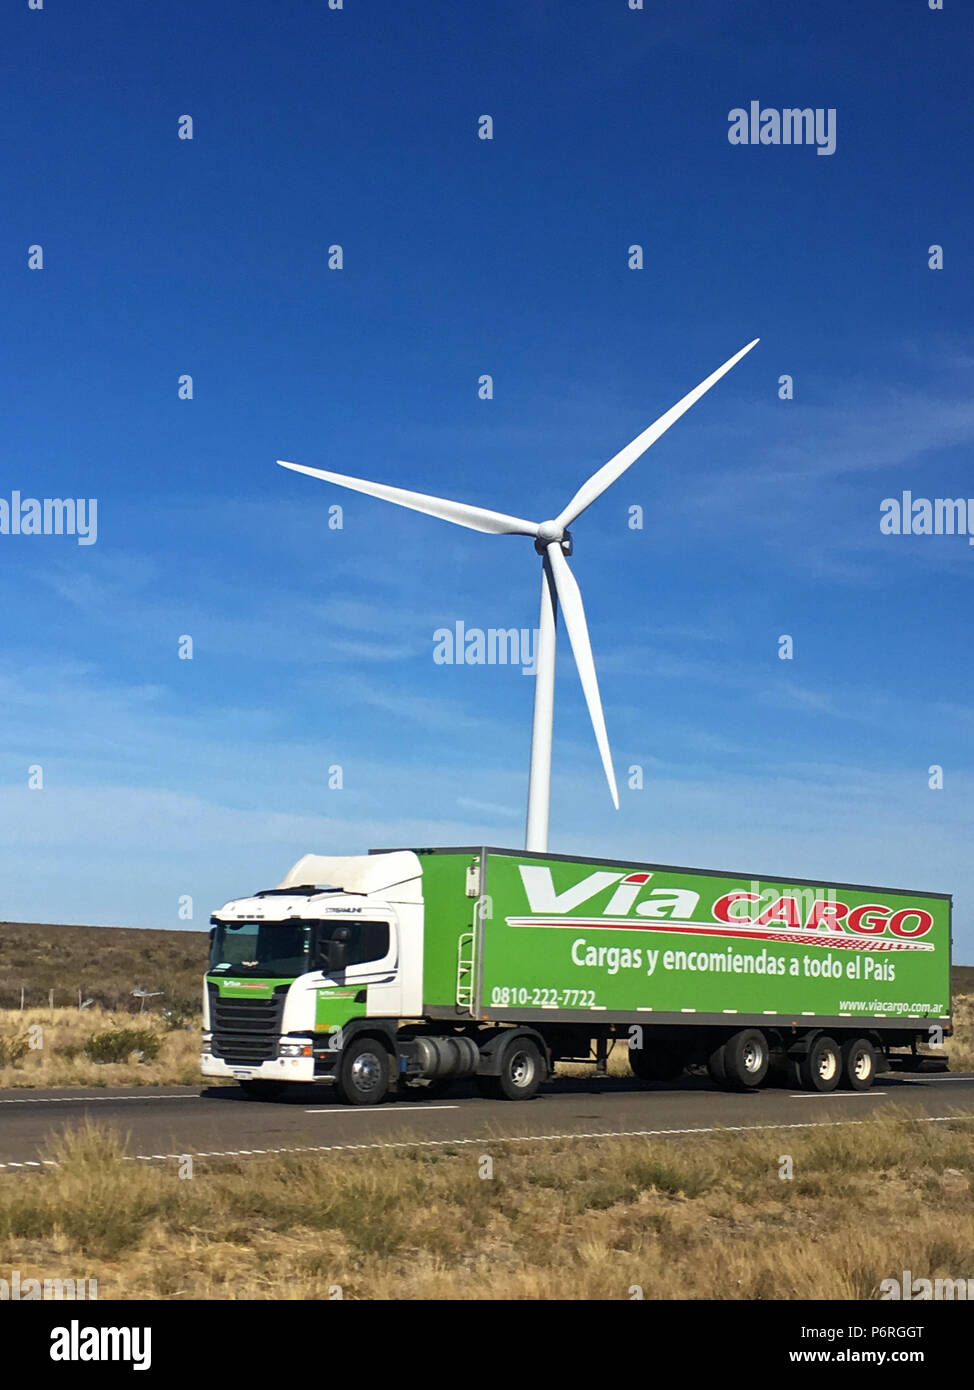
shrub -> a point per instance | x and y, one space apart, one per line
117 1045
182 1011
14 1046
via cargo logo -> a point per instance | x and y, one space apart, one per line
810 916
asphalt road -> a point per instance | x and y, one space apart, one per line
164 1123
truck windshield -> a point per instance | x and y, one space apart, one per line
261 948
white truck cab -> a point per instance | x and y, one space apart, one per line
337 938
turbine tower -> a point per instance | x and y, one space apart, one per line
553 542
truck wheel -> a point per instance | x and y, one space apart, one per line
522 1072
717 1067
657 1062
858 1064
363 1075
262 1090
746 1059
821 1067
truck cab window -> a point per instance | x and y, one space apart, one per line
367 941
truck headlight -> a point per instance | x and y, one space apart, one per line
294 1049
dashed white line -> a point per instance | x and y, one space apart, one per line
835 1095
85 1100
523 1138
389 1110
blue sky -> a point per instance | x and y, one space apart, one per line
313 647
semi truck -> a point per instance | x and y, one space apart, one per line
399 972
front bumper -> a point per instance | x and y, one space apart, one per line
276 1069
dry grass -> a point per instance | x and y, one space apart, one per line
960 1048
64 1033
617 1065
701 1218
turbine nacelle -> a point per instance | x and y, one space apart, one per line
552 533
559 589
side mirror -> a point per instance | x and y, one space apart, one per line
338 949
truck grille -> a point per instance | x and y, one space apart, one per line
245 1031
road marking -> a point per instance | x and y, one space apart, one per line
85 1100
371 1110
834 1095
502 1139
525 1138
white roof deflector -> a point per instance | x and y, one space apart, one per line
398 875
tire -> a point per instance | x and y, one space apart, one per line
821 1067
657 1062
858 1064
363 1073
747 1057
717 1067
521 1074
263 1090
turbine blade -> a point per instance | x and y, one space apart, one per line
570 602
616 466
462 513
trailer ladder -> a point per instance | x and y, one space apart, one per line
465 970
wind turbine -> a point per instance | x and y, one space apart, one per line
553 542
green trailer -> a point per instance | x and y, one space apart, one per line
407 970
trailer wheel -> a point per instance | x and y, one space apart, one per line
363 1076
717 1067
858 1064
746 1059
522 1072
821 1067
262 1090
657 1062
